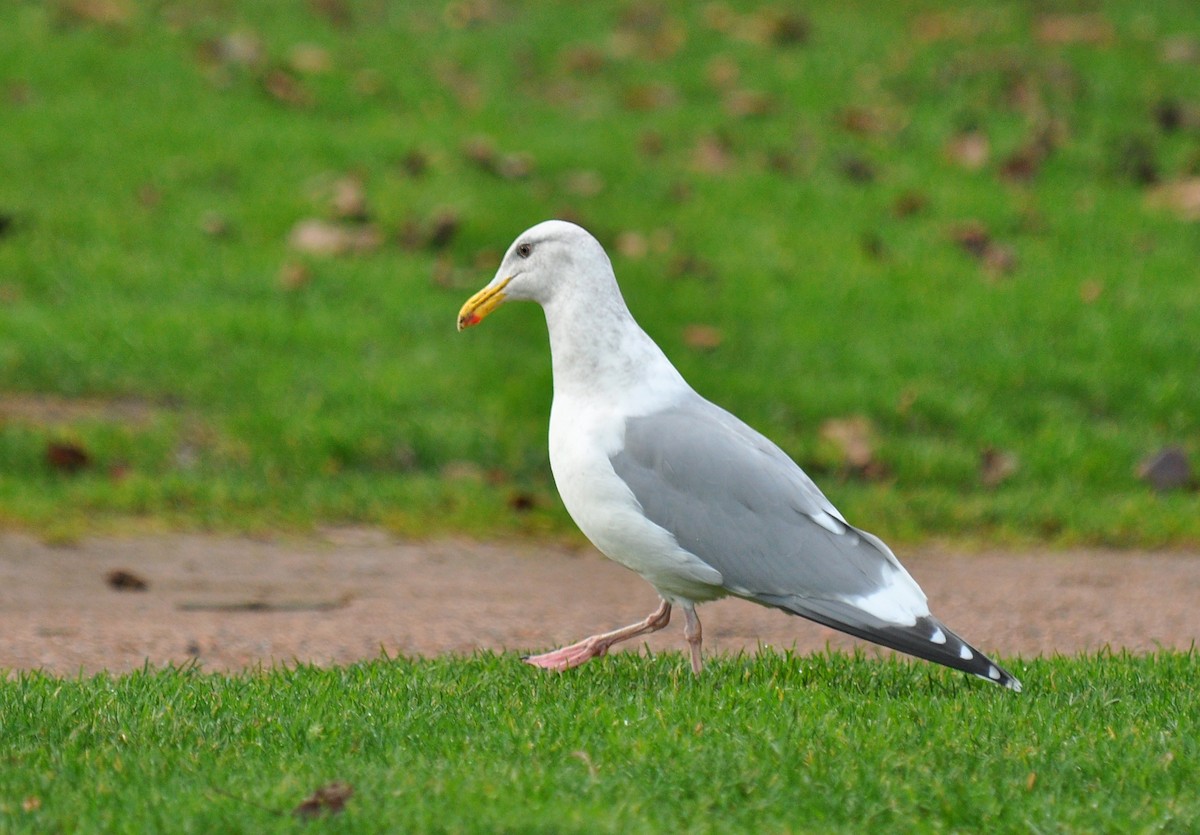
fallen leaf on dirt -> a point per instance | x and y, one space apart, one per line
969 150
320 237
1074 28
330 798
1167 469
67 457
123 580
1181 197
702 337
996 466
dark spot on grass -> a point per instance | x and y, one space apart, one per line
67 457
328 799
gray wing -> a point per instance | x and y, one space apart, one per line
737 501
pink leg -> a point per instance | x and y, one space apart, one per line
691 631
598 645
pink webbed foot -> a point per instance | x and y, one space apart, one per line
598 645
568 657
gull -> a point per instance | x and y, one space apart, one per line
679 490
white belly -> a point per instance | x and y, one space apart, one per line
606 511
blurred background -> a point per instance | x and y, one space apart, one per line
945 254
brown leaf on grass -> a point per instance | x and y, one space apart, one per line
285 88
866 121
1180 49
522 501
31 803
1093 29
969 150
1181 197
742 104
482 151
857 169
644 97
944 26
309 59
687 265
996 466
711 155
215 225
1167 469
583 59
702 337
722 72
1090 291
321 237
328 799
850 442
348 199
415 163
651 143
336 12
583 183
293 275
909 203
632 244
123 580
102 12
998 259
67 457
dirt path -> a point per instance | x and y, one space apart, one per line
230 602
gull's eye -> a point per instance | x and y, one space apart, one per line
525 250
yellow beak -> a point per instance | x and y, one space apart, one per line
481 304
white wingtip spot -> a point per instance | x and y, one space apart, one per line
993 674
965 653
938 636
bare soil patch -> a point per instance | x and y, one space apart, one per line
230 603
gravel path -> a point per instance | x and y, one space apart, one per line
230 603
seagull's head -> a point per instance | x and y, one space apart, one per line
544 261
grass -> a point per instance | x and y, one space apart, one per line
788 186
827 743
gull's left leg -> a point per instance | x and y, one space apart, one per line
691 631
597 645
